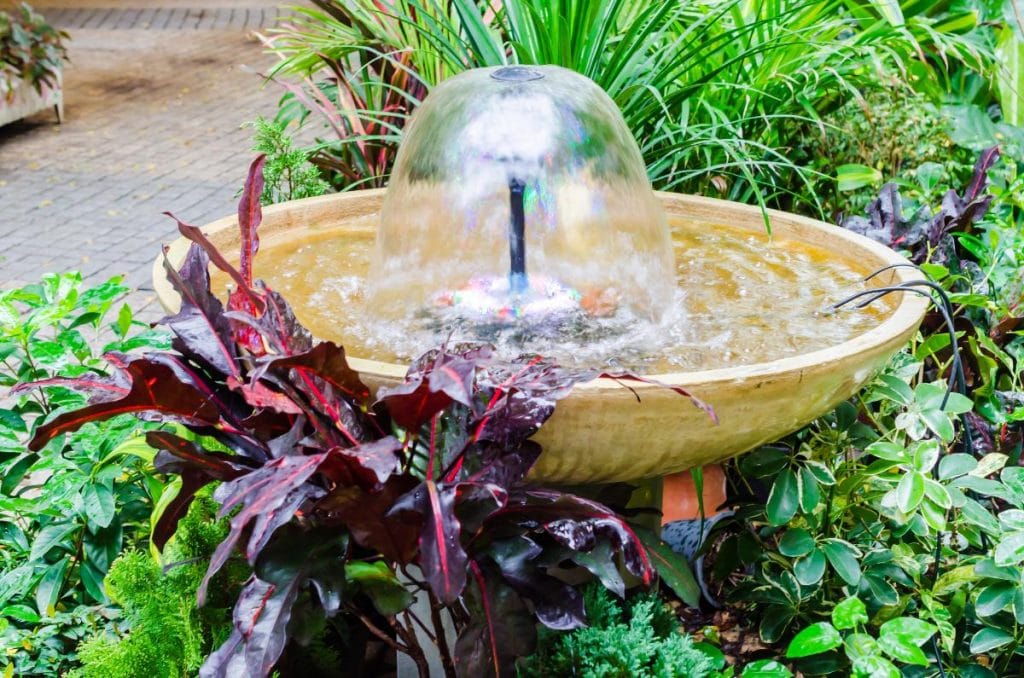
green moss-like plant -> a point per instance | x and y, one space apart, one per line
288 174
164 633
637 639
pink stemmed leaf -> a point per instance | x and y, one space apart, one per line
154 389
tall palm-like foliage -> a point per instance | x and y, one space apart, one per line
716 91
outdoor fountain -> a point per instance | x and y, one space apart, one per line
519 213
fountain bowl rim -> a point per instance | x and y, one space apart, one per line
902 320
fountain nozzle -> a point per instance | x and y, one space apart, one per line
517 282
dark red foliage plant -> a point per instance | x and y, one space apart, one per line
347 505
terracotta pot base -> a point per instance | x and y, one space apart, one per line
680 501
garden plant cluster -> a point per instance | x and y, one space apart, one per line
31 51
221 495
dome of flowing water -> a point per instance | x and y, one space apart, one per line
519 212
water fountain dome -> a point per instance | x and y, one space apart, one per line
519 196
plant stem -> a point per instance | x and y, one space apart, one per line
413 648
381 635
440 637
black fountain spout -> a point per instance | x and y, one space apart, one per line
517 238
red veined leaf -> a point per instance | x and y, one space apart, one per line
327 361
200 328
259 395
413 403
154 388
558 605
368 465
579 524
250 214
99 388
367 516
269 498
186 454
167 524
500 628
294 561
441 555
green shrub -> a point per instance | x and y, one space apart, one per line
69 509
163 632
31 51
633 639
889 134
288 174
717 94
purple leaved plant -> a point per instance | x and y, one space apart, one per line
331 494
927 236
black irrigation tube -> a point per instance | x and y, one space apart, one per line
957 378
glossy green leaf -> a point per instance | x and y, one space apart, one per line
49 587
815 639
925 455
937 493
914 630
810 569
986 567
901 650
849 613
939 423
884 449
764 462
933 514
810 495
1012 520
893 388
988 639
16 473
1010 78
1010 549
860 645
12 421
954 465
775 620
50 537
92 580
1013 480
796 542
99 504
883 592
977 515
910 491
380 584
821 473
995 597
22 613
784 499
851 177
843 557
765 668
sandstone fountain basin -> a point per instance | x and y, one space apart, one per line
603 431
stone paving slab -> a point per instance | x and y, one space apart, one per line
153 123
164 18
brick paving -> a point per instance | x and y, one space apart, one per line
155 96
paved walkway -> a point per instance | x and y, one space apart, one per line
154 99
